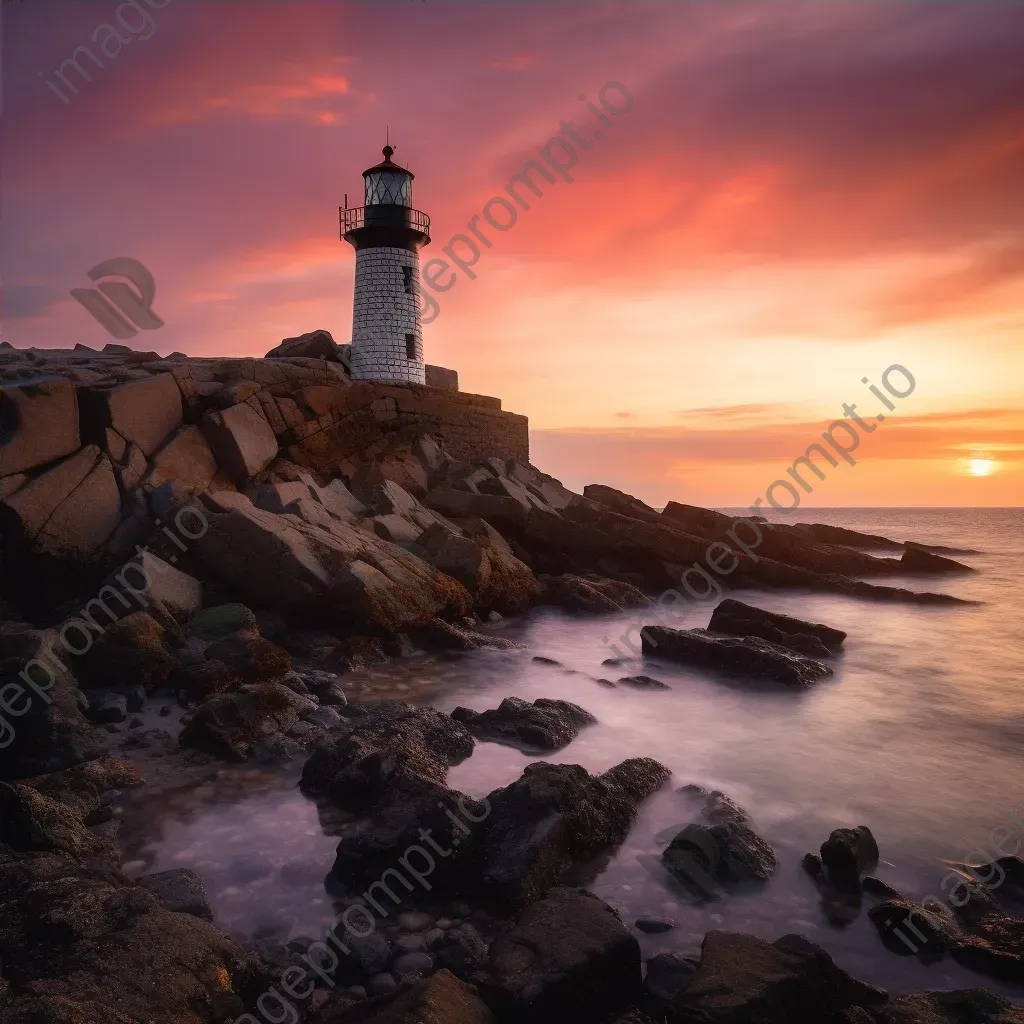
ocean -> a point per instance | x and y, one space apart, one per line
919 735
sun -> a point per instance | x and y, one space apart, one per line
980 467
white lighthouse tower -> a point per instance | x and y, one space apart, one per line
387 234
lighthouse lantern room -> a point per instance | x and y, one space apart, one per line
387 234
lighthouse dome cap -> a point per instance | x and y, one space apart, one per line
387 164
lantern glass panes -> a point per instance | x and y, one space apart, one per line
388 188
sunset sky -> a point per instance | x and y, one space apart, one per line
801 195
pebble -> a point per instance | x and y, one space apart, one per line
444 923
434 937
381 984
414 921
413 963
357 991
412 943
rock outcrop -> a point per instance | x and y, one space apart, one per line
541 727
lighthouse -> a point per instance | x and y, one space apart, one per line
387 235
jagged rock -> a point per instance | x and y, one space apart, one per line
420 740
809 638
916 559
642 682
241 440
738 656
620 502
502 512
726 851
592 595
568 957
905 926
38 423
313 345
107 707
555 816
279 562
475 554
30 820
741 979
185 458
543 726
230 724
847 854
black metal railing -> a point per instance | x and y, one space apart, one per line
384 215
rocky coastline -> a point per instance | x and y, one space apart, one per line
196 553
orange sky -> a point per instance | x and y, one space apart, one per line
801 195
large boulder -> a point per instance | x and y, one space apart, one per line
143 412
567 958
313 345
742 979
744 656
541 727
241 440
813 639
67 512
339 573
38 423
556 816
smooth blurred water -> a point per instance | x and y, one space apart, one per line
918 735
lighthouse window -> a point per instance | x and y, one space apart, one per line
410 346
407 273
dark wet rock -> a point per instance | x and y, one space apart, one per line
732 655
413 739
416 943
220 621
251 657
654 925
543 726
876 887
963 1006
813 639
201 681
726 851
31 820
667 975
382 984
642 682
108 707
847 854
916 559
180 890
324 718
136 650
89 786
230 724
555 816
367 954
811 863
462 951
906 927
592 594
541 660
79 943
568 957
607 683
312 345
741 979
